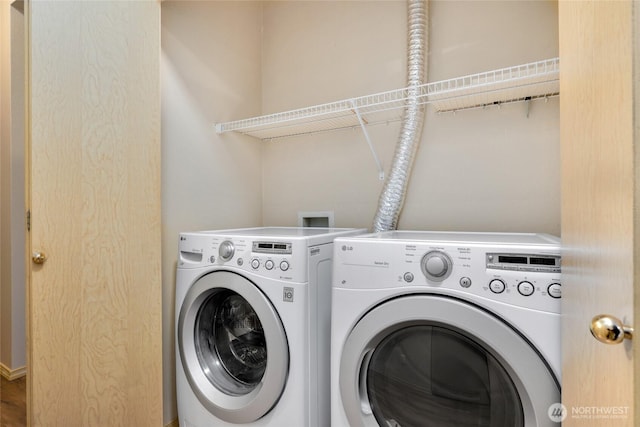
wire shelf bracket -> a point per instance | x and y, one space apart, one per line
368 139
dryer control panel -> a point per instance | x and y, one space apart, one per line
517 269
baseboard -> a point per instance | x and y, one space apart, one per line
12 374
173 423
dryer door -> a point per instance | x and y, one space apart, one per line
233 347
427 360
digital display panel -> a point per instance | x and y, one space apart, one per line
512 259
523 262
281 248
542 261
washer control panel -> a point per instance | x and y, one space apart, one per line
282 260
526 274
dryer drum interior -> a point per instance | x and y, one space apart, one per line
436 361
435 373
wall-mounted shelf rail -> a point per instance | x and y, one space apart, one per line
519 83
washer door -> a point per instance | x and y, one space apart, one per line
233 347
426 360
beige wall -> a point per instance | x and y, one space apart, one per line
210 72
491 169
5 291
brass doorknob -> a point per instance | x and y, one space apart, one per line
39 257
610 330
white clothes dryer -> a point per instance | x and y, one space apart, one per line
446 329
253 326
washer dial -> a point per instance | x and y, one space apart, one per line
436 266
226 250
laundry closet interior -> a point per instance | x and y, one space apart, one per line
491 168
495 168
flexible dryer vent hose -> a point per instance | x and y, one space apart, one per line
395 187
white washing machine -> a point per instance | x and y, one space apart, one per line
253 326
445 329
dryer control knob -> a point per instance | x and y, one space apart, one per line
226 250
436 265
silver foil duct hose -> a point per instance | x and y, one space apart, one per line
395 187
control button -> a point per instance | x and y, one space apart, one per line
555 290
408 277
226 250
255 263
497 286
212 259
525 288
284 266
269 265
436 266
465 282
240 261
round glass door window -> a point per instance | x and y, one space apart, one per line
230 343
425 375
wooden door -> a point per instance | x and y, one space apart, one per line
94 306
599 138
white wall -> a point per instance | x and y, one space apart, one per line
491 169
12 200
210 72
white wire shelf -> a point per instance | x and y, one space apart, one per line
519 83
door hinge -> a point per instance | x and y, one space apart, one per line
29 220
